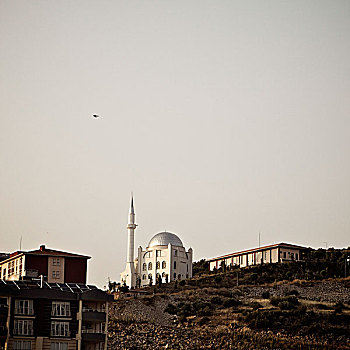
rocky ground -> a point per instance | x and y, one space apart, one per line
323 291
143 323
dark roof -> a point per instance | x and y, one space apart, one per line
33 289
4 256
51 252
286 245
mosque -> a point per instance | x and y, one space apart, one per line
164 258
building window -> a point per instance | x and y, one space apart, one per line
163 274
60 308
175 265
56 262
56 274
59 346
163 264
292 256
174 275
22 345
296 256
143 277
11 268
150 266
60 329
159 253
23 327
284 255
24 307
175 252
144 267
150 276
158 265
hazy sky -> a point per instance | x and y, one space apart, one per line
225 118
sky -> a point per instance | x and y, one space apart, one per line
224 118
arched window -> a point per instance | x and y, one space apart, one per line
174 275
150 266
150 276
158 275
179 276
163 274
143 277
144 267
158 265
163 264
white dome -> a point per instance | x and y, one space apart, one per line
164 238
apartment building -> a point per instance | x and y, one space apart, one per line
56 266
37 315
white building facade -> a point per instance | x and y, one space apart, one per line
280 252
164 258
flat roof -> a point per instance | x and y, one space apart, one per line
286 245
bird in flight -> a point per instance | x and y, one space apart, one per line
96 116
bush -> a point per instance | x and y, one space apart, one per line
285 303
231 302
265 294
206 311
217 279
204 320
182 283
216 300
293 292
255 305
339 307
171 309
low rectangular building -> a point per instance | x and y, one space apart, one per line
280 252
36 315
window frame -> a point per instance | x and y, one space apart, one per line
60 309
23 327
20 345
24 307
60 329
59 345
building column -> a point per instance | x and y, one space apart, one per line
80 321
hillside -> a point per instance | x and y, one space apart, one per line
211 311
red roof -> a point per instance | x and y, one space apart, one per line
47 252
286 245
51 252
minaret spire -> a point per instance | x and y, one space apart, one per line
132 204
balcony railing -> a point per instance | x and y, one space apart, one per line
88 309
98 331
60 334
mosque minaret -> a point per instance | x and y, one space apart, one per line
129 275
